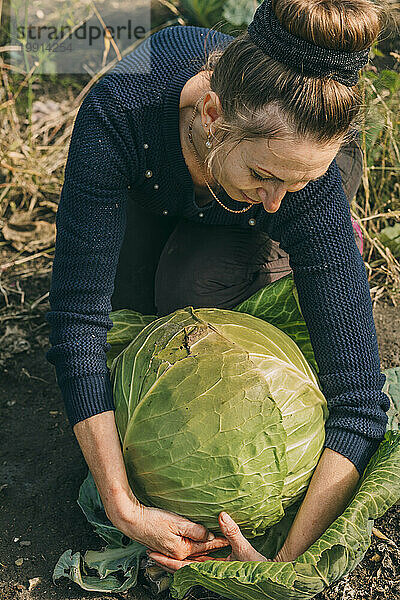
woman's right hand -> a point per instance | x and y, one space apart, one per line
242 550
160 530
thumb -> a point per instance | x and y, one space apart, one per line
232 532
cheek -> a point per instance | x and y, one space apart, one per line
238 176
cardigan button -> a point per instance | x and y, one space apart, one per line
149 174
156 186
146 146
164 212
252 221
201 214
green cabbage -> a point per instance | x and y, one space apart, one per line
218 410
221 410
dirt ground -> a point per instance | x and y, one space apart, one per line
41 469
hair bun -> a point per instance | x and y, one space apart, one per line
344 25
294 73
293 37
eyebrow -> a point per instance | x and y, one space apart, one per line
278 178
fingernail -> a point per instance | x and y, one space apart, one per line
210 537
225 518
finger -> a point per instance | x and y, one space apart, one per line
204 547
232 532
216 542
203 558
164 568
202 553
168 563
195 531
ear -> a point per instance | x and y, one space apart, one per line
212 107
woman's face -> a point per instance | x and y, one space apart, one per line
265 170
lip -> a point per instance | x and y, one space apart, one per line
249 199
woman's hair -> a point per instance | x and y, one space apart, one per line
262 98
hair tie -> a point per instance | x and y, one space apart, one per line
301 55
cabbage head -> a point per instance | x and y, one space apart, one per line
209 402
218 410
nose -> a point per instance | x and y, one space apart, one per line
272 198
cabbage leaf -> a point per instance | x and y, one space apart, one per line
336 553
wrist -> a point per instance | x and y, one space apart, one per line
120 494
284 555
121 504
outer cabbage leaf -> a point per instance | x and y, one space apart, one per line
278 304
333 555
336 553
126 325
392 389
90 502
114 568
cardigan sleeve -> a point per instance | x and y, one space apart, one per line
314 227
91 221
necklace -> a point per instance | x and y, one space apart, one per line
190 127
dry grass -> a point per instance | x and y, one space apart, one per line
377 204
34 136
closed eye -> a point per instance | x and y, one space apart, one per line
257 176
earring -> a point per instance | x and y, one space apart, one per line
209 142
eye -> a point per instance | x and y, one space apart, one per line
257 176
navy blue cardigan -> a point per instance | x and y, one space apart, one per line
125 147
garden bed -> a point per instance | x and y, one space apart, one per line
42 468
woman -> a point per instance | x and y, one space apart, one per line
231 155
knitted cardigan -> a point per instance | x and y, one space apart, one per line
125 147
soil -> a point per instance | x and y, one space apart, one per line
41 468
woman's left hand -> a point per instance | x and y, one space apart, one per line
241 548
